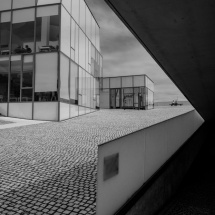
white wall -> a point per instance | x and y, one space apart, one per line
46 111
3 109
20 110
141 154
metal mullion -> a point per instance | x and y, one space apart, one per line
69 84
58 70
34 61
21 77
10 52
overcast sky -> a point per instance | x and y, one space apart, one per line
124 55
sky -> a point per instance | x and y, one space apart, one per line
124 55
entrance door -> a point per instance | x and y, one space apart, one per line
115 98
128 98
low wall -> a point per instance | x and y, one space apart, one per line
126 164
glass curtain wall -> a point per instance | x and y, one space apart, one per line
133 92
50 54
78 45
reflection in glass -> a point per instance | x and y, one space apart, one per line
82 15
26 95
27 74
115 82
15 81
47 29
65 32
4 71
4 38
128 98
45 96
23 3
5 5
82 49
23 31
73 83
115 98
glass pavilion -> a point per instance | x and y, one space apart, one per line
50 60
127 92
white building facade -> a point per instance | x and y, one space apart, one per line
50 60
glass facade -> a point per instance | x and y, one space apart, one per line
133 92
50 60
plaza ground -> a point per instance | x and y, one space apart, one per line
51 167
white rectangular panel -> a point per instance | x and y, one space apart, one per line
26 15
5 5
23 3
20 110
47 11
46 111
46 72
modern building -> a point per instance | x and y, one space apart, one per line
50 60
133 92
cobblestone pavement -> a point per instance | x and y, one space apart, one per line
51 168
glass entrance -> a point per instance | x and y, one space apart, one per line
115 98
128 97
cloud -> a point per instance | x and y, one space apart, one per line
124 55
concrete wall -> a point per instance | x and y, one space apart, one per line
141 154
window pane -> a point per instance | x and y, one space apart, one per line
105 83
23 3
4 71
15 81
75 10
73 33
42 2
64 77
65 32
47 25
80 77
5 17
73 83
127 81
5 5
46 72
105 98
88 89
67 4
5 34
97 38
93 32
82 49
88 22
83 88
82 15
87 55
139 81
76 44
115 82
26 15
149 84
27 75
23 31
27 95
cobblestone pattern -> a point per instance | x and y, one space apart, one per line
51 168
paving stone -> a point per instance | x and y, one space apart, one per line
53 166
